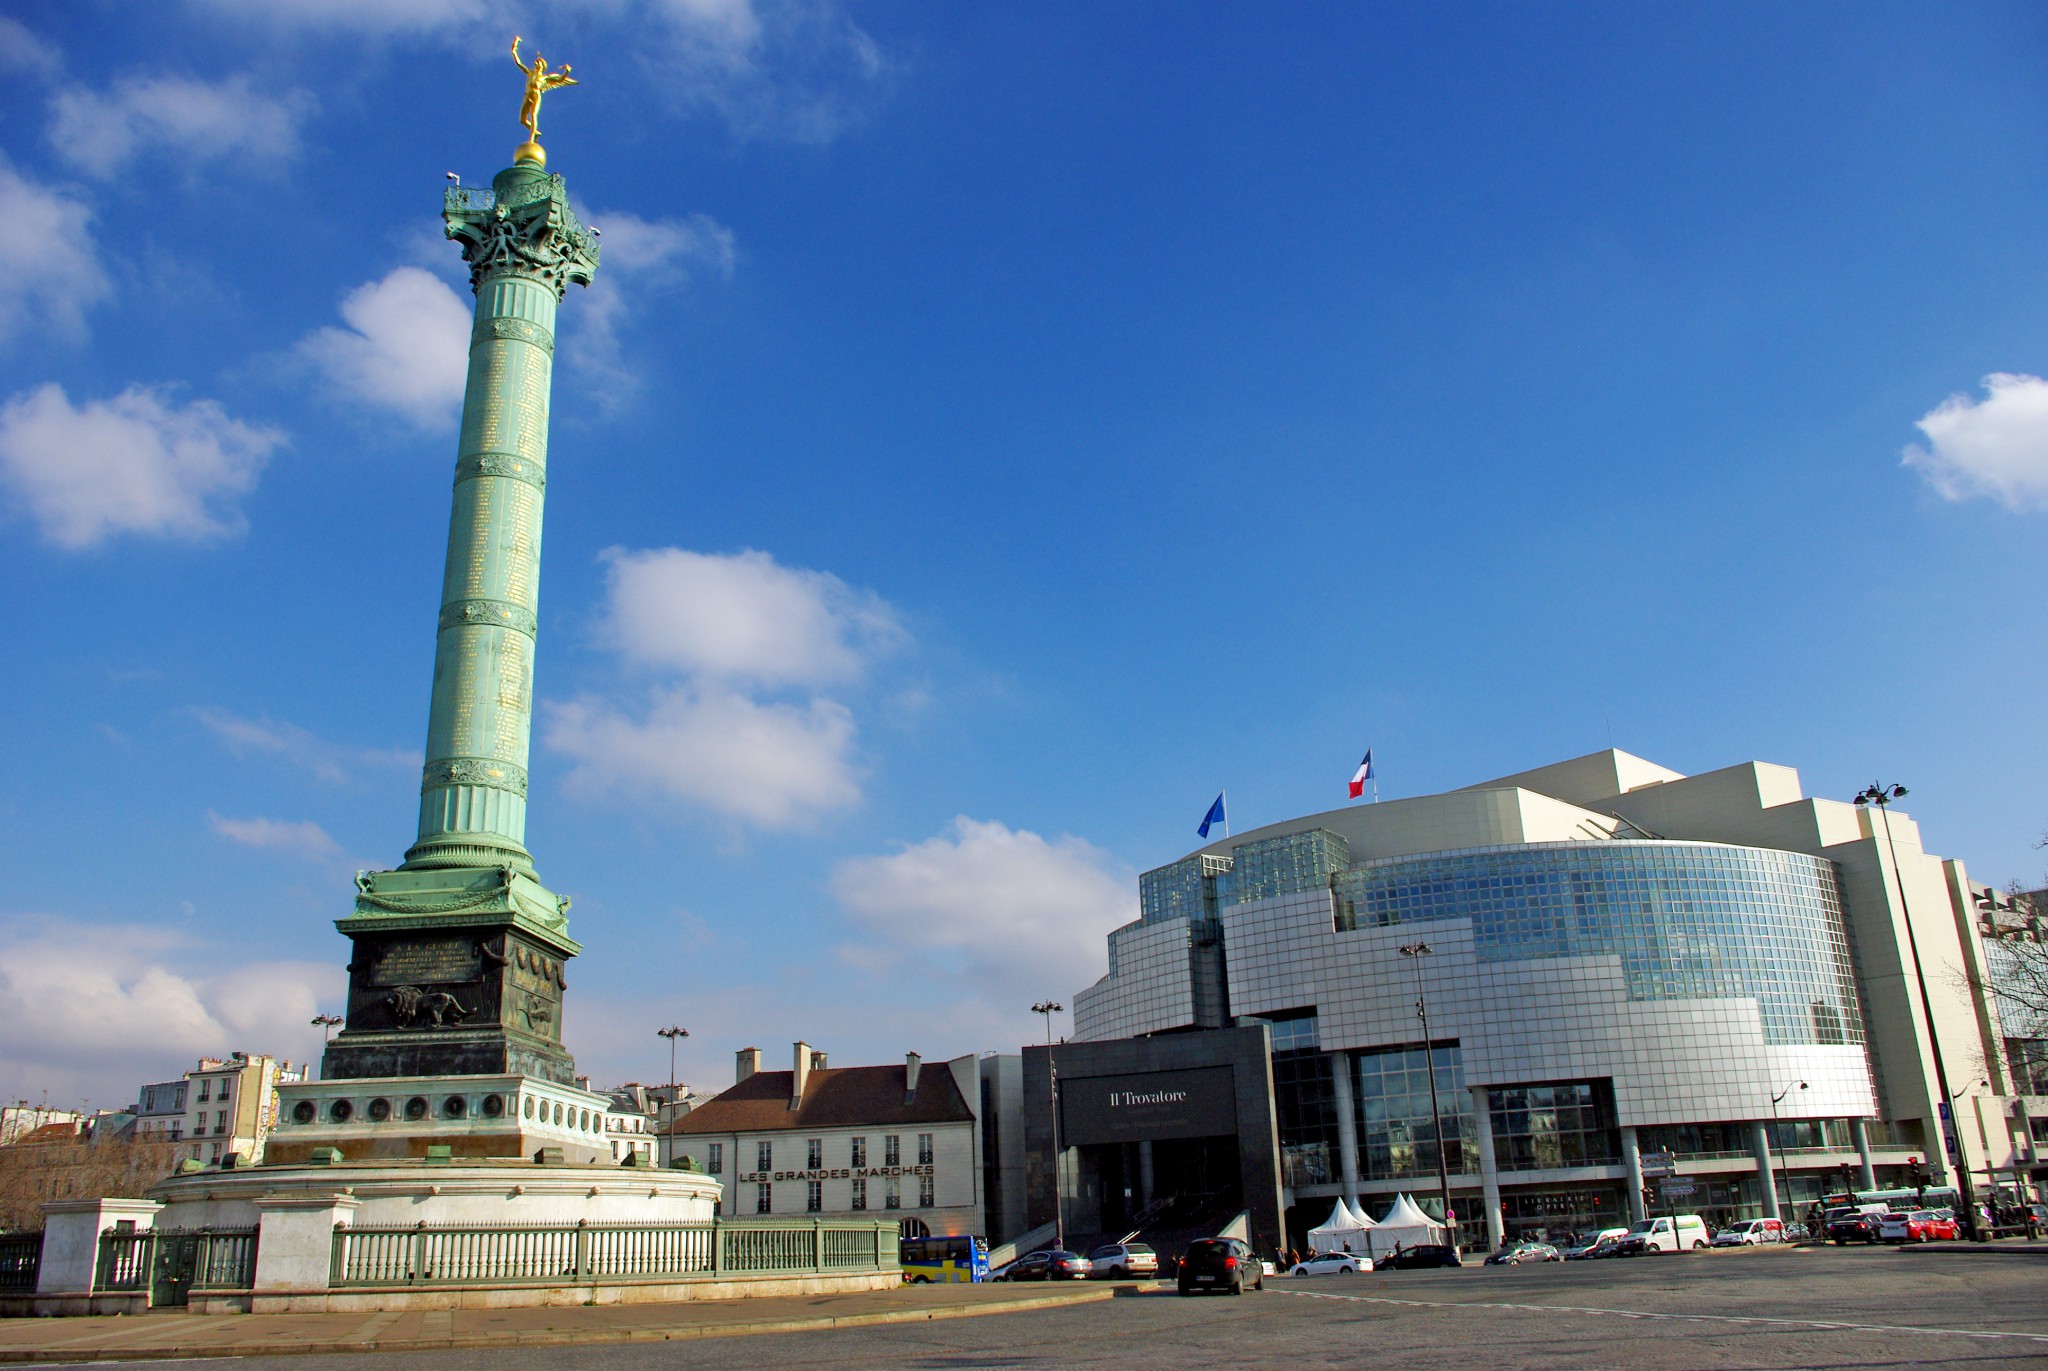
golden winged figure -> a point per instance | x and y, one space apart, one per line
539 81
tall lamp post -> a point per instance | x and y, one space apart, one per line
326 1024
1771 1143
1881 795
1045 1009
1417 951
672 1033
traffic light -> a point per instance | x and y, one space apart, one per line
1916 1173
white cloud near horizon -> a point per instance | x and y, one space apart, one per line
335 763
50 271
136 464
1001 914
102 132
743 616
406 347
721 634
95 1011
1996 447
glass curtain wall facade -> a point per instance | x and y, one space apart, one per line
1397 1136
1547 1127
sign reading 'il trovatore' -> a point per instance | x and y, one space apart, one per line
459 955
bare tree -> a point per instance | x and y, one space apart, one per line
75 1167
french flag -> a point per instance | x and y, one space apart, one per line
1364 774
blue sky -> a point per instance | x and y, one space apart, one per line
993 430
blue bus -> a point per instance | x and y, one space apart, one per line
944 1259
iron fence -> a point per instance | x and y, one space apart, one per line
126 1258
587 1252
21 1259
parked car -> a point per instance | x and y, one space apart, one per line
1666 1233
1331 1264
1750 1233
1052 1264
1919 1225
1515 1254
1419 1257
1121 1260
1227 1264
1853 1225
1601 1244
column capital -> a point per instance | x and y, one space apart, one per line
522 226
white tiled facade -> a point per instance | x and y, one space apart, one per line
1686 948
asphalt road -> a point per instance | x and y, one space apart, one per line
1949 1305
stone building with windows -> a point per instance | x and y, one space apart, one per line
819 1141
1618 962
222 1106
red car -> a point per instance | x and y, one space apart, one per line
1920 1225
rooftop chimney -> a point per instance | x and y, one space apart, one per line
801 1076
912 1063
748 1062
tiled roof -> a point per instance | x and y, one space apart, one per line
834 1097
50 1133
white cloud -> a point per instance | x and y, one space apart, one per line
771 764
641 258
102 132
22 50
96 1011
330 762
134 464
743 617
303 839
406 347
1996 447
49 268
1000 912
361 16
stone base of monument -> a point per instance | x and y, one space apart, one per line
394 1235
394 1117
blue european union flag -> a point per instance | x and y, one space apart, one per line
1214 816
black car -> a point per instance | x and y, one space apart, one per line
1418 1257
1847 1228
1225 1264
1052 1264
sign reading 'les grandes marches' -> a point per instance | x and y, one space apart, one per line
1197 1103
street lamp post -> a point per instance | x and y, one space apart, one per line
326 1024
672 1033
1881 795
1418 951
1045 1009
1771 1143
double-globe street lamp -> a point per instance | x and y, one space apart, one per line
1045 1009
1417 951
326 1023
1880 795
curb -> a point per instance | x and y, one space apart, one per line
549 1337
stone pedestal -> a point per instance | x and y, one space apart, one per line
71 1249
295 1245
500 1117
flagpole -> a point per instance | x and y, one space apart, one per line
1224 796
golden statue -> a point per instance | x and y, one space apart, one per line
539 81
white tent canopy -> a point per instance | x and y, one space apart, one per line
1405 1224
1344 1231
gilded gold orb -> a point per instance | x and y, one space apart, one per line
531 151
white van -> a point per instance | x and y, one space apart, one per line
1671 1233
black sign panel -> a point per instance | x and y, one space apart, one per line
1198 1103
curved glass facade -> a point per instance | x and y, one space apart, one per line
1687 920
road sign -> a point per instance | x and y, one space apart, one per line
1659 1164
1677 1185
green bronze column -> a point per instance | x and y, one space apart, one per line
461 954
524 247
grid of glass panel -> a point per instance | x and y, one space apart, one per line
1687 920
1287 865
1304 1100
1564 1123
1397 1136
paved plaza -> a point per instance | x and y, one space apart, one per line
1825 1307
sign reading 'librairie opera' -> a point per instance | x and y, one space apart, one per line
1197 1103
